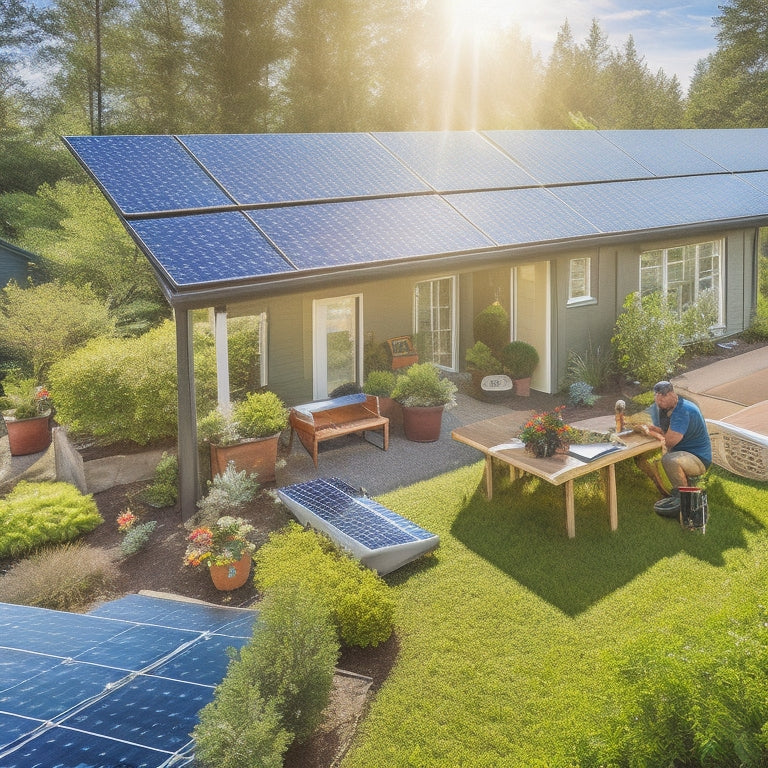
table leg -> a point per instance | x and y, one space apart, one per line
570 512
489 477
610 491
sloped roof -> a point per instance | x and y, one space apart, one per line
226 216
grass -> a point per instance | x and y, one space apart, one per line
511 633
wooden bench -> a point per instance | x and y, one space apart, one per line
326 419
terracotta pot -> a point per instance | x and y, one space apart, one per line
523 387
227 577
391 409
28 436
258 455
422 425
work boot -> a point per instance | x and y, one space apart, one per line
669 506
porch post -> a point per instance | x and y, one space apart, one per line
221 344
187 426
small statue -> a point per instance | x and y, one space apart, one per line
619 409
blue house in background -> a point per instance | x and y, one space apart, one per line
15 263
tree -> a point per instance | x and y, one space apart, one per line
730 87
42 324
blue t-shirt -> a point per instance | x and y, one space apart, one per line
687 420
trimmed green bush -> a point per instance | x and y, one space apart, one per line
164 488
423 385
35 514
646 339
293 656
360 602
519 359
380 383
491 326
480 358
68 577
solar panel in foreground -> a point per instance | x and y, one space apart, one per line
378 537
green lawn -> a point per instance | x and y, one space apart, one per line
511 633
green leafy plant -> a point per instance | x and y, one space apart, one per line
35 514
228 493
361 606
519 359
260 414
646 338
67 577
581 393
423 386
480 358
380 383
23 399
593 366
164 488
136 535
697 321
491 327
546 432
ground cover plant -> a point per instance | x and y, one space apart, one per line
521 647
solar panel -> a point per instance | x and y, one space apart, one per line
663 153
506 215
377 536
146 174
567 157
341 234
735 149
113 688
213 247
271 168
639 205
455 160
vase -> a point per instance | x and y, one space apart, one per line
542 450
257 455
27 436
227 577
422 424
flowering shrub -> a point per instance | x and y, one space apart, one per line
224 543
125 521
546 432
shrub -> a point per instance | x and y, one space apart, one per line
65 578
348 388
646 338
227 494
696 322
136 538
422 385
293 656
239 729
491 326
480 358
359 600
758 330
164 489
35 514
580 393
376 355
380 383
518 358
260 414
594 366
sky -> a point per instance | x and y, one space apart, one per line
670 35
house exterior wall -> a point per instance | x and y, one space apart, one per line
388 306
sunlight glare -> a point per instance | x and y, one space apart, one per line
479 18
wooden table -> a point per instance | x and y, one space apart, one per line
740 441
491 435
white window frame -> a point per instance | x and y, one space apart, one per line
580 283
418 291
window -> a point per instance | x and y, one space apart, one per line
580 280
686 274
435 317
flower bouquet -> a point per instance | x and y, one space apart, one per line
545 433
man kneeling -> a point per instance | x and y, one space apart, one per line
687 451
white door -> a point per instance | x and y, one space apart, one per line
435 321
337 331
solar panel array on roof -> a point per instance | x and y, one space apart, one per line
222 210
121 686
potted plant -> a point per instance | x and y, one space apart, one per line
519 359
224 548
381 384
26 410
546 433
248 436
423 394
481 362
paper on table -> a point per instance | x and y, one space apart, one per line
592 451
514 443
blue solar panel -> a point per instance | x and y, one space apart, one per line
142 174
567 157
363 520
267 168
214 247
663 153
735 149
505 216
455 160
341 234
58 710
639 205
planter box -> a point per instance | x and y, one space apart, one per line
27 436
258 455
